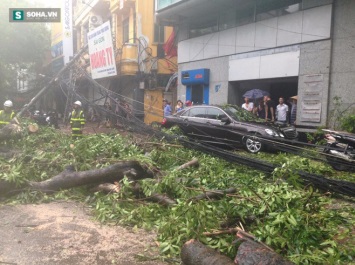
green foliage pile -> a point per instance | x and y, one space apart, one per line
298 222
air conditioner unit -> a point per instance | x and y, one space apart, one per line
94 21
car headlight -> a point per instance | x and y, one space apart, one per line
271 132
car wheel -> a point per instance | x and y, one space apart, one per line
252 144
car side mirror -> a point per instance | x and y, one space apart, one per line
226 120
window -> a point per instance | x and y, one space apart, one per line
216 114
266 9
125 30
129 29
246 14
159 34
197 112
203 27
227 20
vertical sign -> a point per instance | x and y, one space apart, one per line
67 21
102 56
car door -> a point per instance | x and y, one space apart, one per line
193 120
222 129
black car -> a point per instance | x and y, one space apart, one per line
229 125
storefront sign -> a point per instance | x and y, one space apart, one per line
102 56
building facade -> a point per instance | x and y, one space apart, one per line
143 67
287 48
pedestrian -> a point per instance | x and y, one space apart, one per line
167 108
293 115
249 106
77 120
108 110
260 109
282 111
269 109
179 106
188 103
7 114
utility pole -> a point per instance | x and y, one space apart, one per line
51 82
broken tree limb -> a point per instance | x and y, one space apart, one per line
69 179
33 128
221 232
252 252
193 162
214 194
107 188
194 252
161 199
158 198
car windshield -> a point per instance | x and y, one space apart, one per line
240 114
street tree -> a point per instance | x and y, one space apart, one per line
23 46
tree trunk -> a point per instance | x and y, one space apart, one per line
251 252
195 253
70 179
8 188
10 131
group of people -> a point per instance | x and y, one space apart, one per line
179 106
284 112
77 117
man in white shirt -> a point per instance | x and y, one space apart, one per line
249 106
282 111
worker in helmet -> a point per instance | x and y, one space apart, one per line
7 114
77 120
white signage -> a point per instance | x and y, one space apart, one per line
67 21
102 56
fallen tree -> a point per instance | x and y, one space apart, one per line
70 179
162 199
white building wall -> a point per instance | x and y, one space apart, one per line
304 26
273 63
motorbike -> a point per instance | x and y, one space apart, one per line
49 118
340 150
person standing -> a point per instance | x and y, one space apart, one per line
7 114
260 109
293 110
282 111
188 103
249 106
167 108
77 120
179 106
269 109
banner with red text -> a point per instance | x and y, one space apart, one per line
102 56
